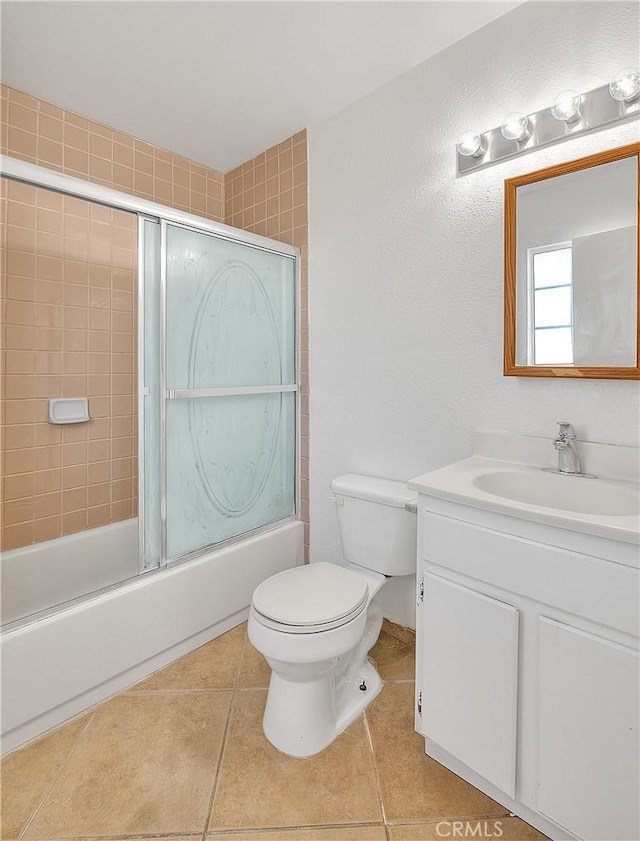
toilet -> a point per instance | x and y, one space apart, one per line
315 624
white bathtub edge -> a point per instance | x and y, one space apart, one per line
81 704
41 575
55 668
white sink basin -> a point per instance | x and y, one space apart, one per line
606 507
563 492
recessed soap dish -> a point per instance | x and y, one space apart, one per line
69 410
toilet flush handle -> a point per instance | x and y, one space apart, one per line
339 500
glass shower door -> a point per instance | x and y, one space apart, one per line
229 414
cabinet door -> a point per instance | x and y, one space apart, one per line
589 747
469 686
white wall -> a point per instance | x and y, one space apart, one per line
406 260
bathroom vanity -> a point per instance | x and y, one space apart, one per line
527 633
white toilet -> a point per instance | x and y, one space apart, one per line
315 624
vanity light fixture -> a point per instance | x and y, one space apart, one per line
571 113
625 86
566 107
469 145
515 127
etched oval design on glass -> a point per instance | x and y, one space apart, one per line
235 340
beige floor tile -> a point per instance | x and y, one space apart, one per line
145 764
395 660
415 787
26 774
506 829
254 670
333 833
260 787
212 666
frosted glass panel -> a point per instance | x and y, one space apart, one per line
230 467
151 407
216 465
230 313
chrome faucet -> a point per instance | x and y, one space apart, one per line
565 444
568 458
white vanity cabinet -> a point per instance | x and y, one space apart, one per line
528 667
471 648
587 718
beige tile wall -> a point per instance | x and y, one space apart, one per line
69 331
268 195
68 316
35 131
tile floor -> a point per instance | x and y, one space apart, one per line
182 755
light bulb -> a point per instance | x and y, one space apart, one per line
469 144
515 127
566 106
625 86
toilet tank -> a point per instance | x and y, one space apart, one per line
376 530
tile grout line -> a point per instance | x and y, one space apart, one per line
230 833
219 833
377 775
251 689
143 693
437 818
223 743
402 681
142 835
216 776
241 657
389 632
55 778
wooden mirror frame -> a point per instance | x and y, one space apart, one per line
510 256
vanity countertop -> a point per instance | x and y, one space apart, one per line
602 507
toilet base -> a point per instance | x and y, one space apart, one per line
303 718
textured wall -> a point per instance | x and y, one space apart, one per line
268 195
68 317
406 260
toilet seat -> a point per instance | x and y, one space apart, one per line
310 599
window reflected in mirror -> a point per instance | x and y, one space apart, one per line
571 260
550 305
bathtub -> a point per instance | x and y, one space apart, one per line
67 660
43 575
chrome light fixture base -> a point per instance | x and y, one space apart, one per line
597 110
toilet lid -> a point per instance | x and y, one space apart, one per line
313 595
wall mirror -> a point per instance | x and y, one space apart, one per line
571 269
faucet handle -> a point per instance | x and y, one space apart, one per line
566 430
